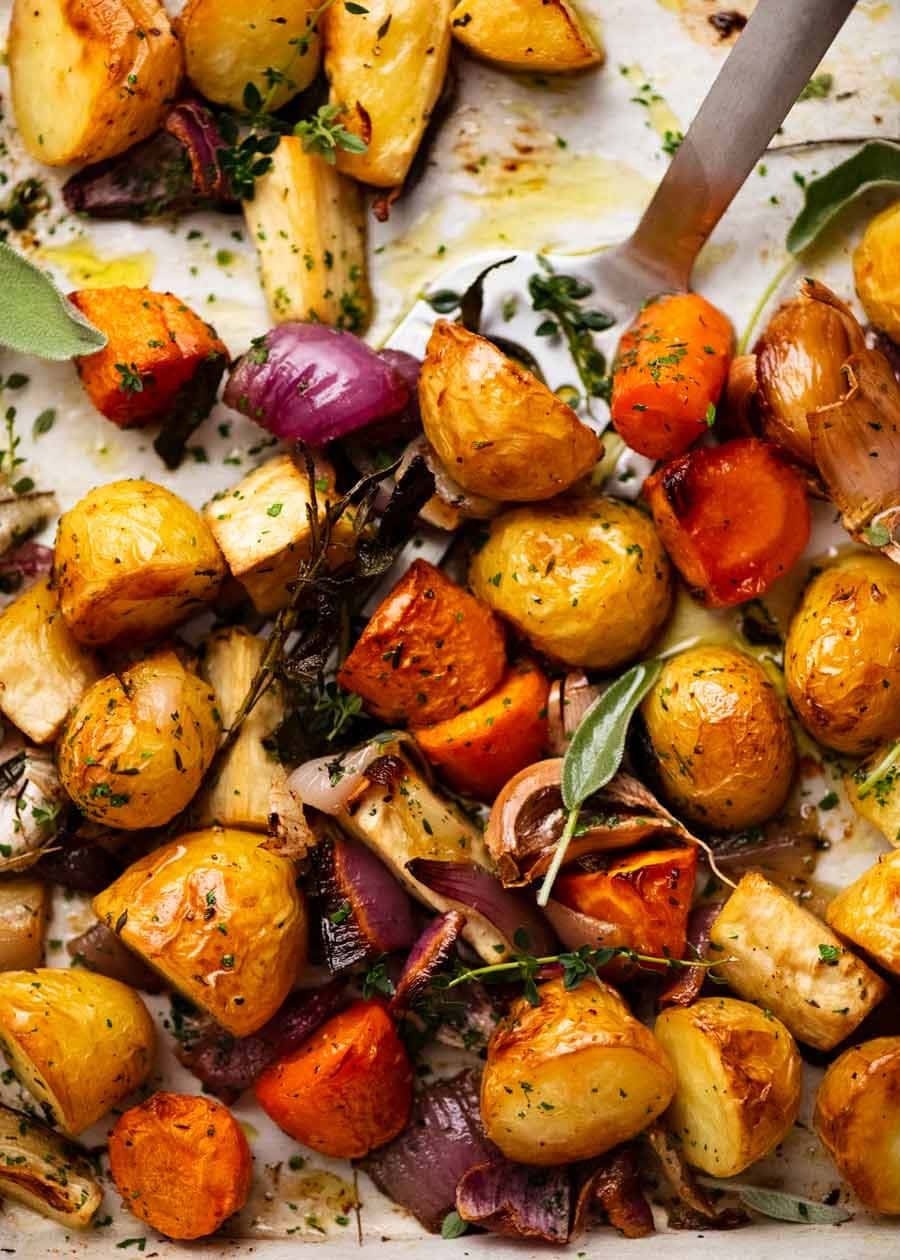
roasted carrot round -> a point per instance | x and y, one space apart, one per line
670 369
733 518
347 1089
181 1163
480 750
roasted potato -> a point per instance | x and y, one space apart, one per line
877 272
842 655
79 1042
228 44
219 917
429 651
738 1077
90 78
867 913
45 1173
497 429
24 907
309 224
386 67
775 953
873 789
543 35
585 580
719 738
44 671
132 561
856 1119
572 1077
263 529
135 749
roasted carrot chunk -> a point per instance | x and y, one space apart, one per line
430 650
347 1090
669 372
480 750
645 895
181 1163
733 518
159 355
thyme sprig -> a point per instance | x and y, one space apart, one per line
562 297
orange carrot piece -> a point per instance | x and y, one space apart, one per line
669 372
181 1164
733 518
346 1090
481 749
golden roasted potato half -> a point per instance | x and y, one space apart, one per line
842 656
46 1173
858 1121
776 953
136 748
497 429
230 43
739 1076
544 35
868 912
132 561
78 1041
572 1077
585 580
720 738
90 78
873 789
219 917
876 270
386 66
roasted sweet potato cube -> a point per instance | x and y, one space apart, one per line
430 650
157 350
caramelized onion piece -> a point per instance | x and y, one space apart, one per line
701 1212
612 1187
516 1201
430 953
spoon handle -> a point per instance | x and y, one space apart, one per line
771 63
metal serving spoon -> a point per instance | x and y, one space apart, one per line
772 61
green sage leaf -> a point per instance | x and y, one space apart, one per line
780 1205
877 162
35 317
453 1226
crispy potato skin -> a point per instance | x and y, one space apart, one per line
480 749
181 1164
544 35
115 66
78 1041
388 96
881 803
721 737
866 913
877 272
44 671
169 906
842 656
855 1118
573 1077
154 335
497 429
773 947
429 651
585 580
136 747
739 1078
132 561
347 1090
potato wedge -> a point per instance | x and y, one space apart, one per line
868 912
572 1077
386 67
45 1173
858 1123
78 1042
24 907
44 670
739 1075
544 35
781 956
309 224
90 78
230 43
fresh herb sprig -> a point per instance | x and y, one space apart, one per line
562 297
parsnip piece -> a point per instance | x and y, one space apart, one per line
868 912
878 779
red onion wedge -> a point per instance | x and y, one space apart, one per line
430 953
365 911
612 1188
472 886
516 1201
101 950
313 383
685 987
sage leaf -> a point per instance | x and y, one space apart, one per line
35 317
780 1205
453 1226
472 303
877 162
